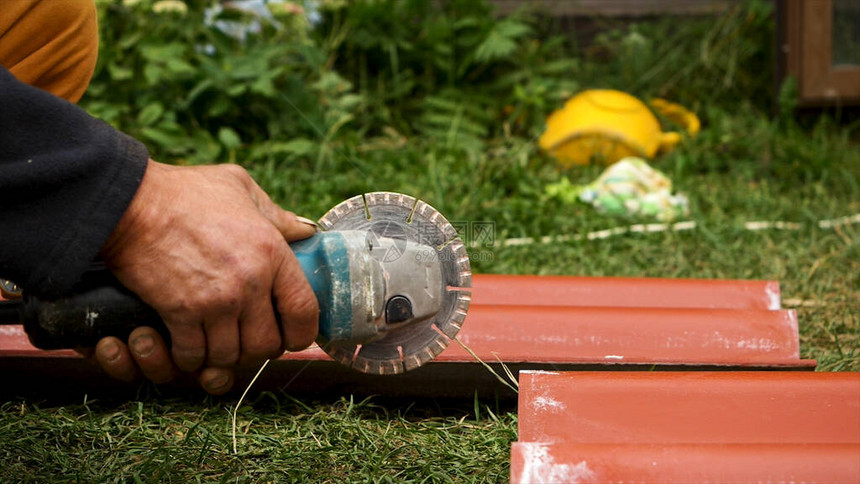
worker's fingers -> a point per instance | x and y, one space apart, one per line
216 381
222 340
291 226
297 304
151 354
115 359
261 335
188 345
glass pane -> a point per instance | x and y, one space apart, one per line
846 32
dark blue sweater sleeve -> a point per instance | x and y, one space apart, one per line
66 178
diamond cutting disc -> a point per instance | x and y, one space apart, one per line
405 218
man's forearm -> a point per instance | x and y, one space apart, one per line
66 179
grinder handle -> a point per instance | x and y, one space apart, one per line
100 306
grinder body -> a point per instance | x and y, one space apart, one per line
390 274
348 284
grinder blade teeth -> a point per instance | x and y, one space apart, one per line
375 199
398 352
339 211
452 326
411 362
463 264
363 366
426 353
436 218
342 354
464 300
450 233
379 367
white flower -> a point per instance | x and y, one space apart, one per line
168 6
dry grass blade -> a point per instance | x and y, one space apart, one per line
514 387
242 398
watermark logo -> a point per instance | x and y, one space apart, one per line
476 233
386 240
483 234
478 236
462 228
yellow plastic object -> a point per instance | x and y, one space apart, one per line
605 125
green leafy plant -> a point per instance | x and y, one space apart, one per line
450 70
194 90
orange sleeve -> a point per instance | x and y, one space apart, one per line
52 45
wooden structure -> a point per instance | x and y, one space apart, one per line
818 44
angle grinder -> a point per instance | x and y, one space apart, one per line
390 273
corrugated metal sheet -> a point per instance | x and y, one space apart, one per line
497 289
580 335
690 407
630 335
641 321
684 463
637 324
687 427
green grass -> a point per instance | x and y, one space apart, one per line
746 165
280 440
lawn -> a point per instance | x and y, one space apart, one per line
446 103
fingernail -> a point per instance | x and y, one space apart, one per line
110 351
217 382
143 345
306 221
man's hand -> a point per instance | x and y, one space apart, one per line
207 248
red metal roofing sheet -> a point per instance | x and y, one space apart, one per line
496 289
580 335
690 407
629 335
599 463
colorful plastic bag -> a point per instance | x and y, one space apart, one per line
628 187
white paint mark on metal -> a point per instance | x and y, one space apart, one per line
12 330
793 326
539 467
761 344
544 403
773 299
613 357
752 344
